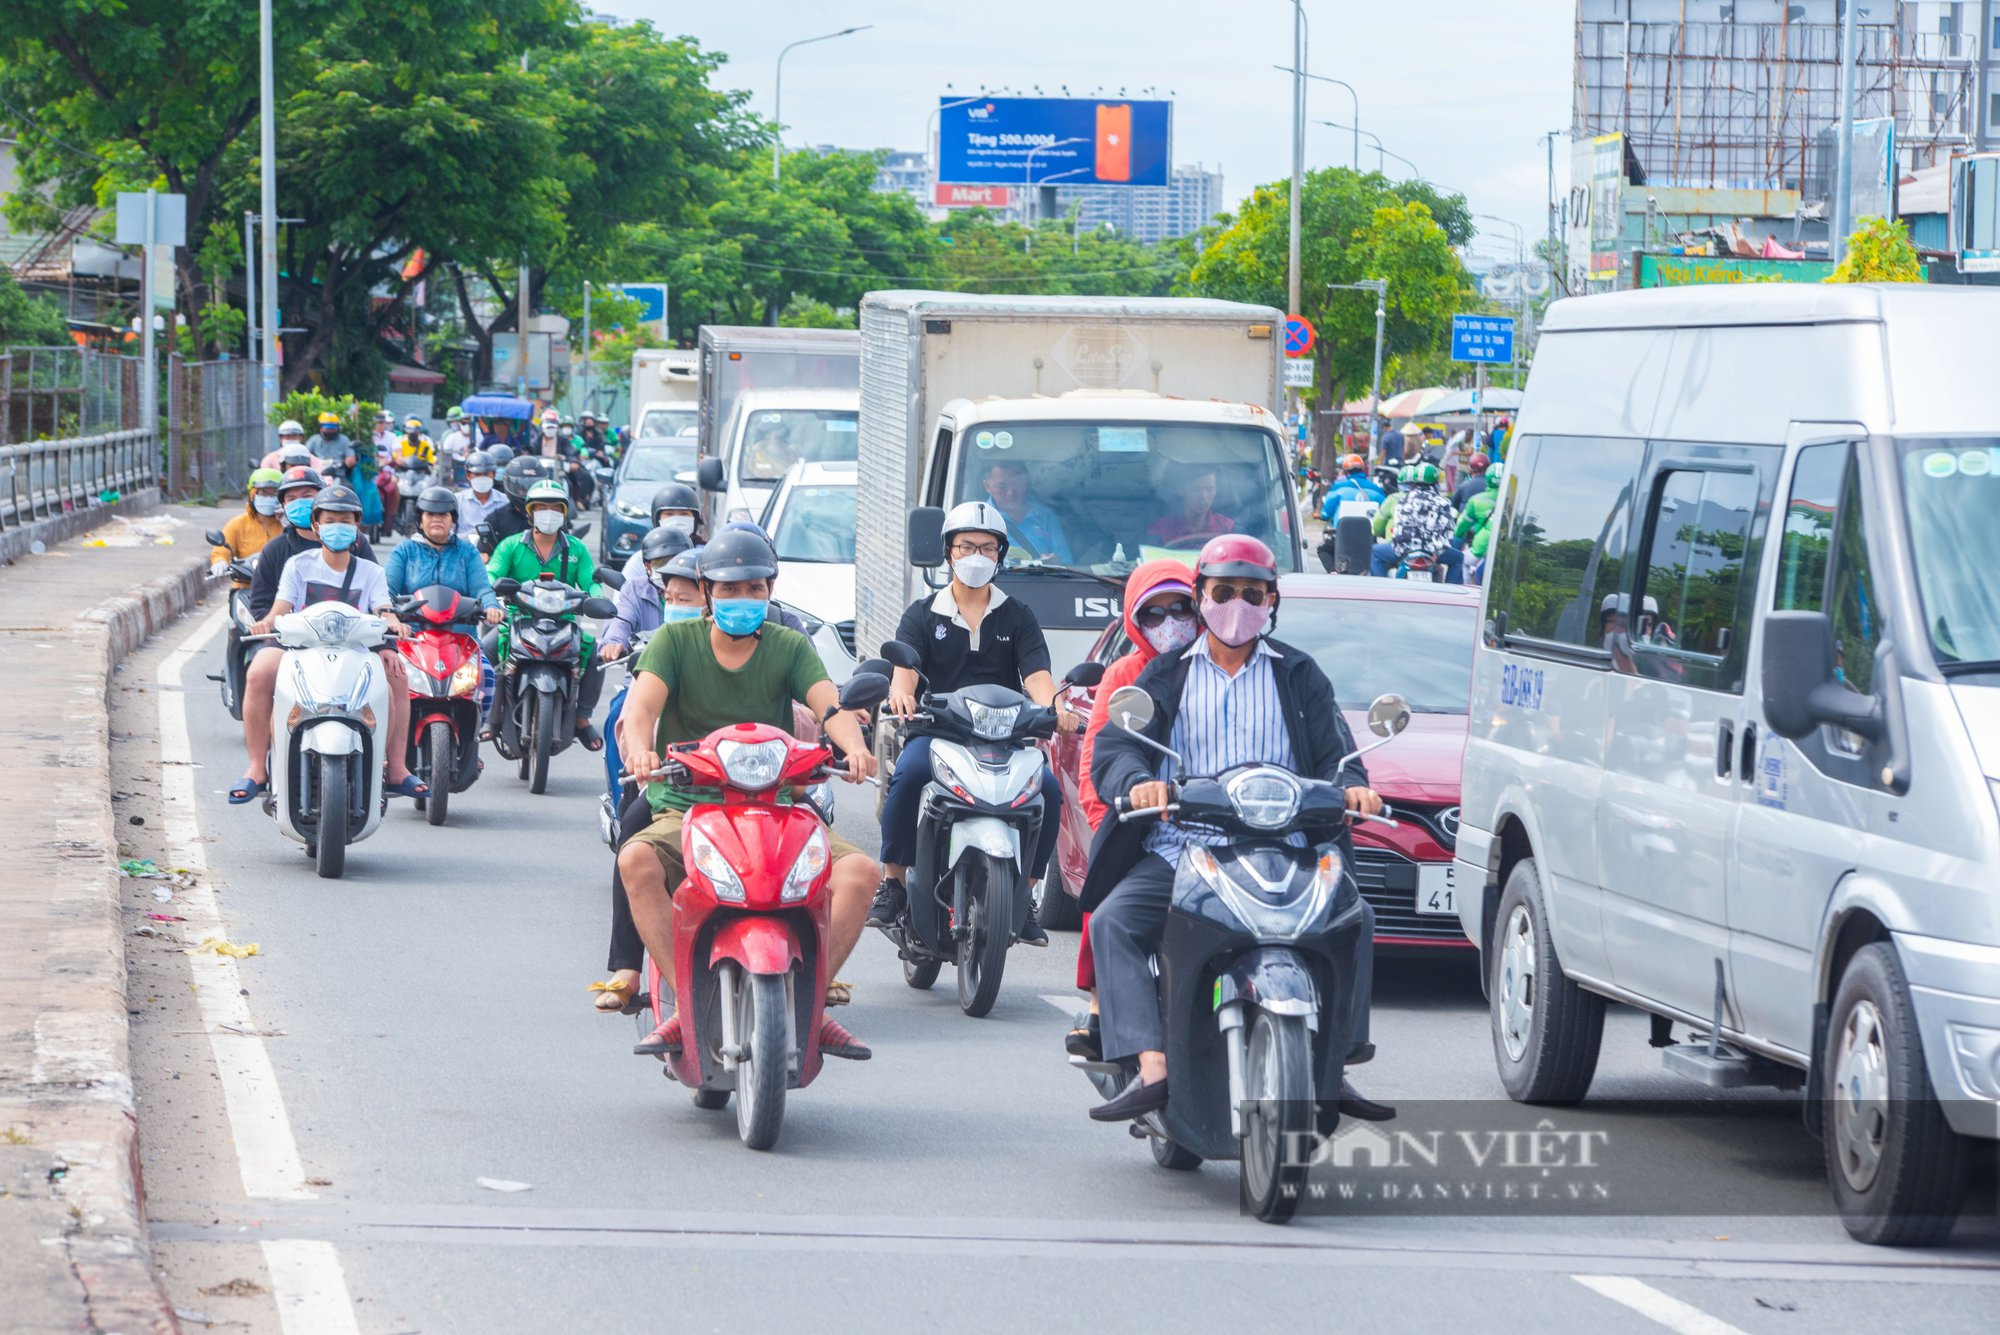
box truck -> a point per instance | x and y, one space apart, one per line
818 368
664 392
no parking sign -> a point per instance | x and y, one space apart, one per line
1299 336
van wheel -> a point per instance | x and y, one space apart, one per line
1898 1169
1546 1029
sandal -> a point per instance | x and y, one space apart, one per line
409 786
835 1041
1086 1040
839 993
586 732
665 1040
248 790
617 994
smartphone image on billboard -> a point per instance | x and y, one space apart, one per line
1114 142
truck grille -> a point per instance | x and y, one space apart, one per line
1388 881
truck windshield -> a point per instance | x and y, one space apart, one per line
677 420
1951 494
658 462
817 524
1110 494
776 438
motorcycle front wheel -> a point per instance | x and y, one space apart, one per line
330 847
1278 1111
443 764
544 744
982 951
764 1071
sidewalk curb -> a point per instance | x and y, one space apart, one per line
80 1099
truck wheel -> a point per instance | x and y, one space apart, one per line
1546 1029
1898 1169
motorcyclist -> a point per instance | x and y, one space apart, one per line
479 498
517 474
291 451
329 570
590 430
1386 515
384 439
332 449
699 675
1423 523
1232 697
1473 483
435 554
245 535
674 506
553 442
414 448
1353 484
1475 519
970 633
456 445
295 499
525 557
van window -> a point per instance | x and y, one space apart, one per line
1561 543
1951 492
1690 596
1823 563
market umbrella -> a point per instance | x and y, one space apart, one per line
1458 403
1412 401
499 405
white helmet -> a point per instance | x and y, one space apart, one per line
976 517
290 428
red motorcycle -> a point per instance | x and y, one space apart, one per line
443 665
751 919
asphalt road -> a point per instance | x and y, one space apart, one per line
428 1025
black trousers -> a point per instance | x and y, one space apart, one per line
1125 932
627 950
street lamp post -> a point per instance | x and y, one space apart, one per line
1520 235
1843 170
1298 154
1417 173
1357 107
778 90
1380 287
931 132
1028 182
268 188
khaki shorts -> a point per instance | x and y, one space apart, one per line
663 836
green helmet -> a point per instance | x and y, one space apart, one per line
1424 475
548 489
265 477
1495 474
1406 475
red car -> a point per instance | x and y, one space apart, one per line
1371 636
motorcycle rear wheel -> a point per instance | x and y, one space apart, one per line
1278 1111
982 952
1167 1154
763 1073
544 742
711 1100
330 846
443 764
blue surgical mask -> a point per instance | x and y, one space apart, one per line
299 513
265 505
674 614
337 537
740 616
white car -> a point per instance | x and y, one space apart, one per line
811 522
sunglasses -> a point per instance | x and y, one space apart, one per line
1253 594
1180 609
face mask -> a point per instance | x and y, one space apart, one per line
299 513
974 572
481 485
682 524
1234 623
265 505
1170 635
740 616
337 537
674 614
548 521
549 431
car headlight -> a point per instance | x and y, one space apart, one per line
753 766
1264 799
708 860
466 679
628 510
812 863
1285 914
990 721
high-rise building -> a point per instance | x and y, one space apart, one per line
1148 214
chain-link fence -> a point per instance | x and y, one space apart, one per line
215 427
62 393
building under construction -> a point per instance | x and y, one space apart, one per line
1739 94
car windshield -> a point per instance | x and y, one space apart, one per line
816 524
658 463
776 438
1951 493
669 420
1421 651
1106 495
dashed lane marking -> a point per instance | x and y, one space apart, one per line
1663 1308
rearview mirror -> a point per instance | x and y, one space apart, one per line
1086 674
900 655
580 529
215 538
1800 690
926 535
864 690
709 473
1388 715
506 588
881 666
599 609
613 579
1131 709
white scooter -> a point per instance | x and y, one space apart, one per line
326 757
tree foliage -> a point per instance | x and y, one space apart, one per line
1880 251
28 321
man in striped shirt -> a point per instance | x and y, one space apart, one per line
1233 697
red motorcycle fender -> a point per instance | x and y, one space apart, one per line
759 944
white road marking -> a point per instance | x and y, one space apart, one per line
1069 1006
306 1279
1656 1306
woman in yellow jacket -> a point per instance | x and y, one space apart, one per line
245 534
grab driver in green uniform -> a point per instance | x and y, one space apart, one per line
525 557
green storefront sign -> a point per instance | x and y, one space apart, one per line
1690 270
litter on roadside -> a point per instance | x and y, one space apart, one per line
215 945
502 1184
151 531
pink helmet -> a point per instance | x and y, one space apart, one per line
1236 555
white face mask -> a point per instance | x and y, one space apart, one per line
548 521
549 431
679 524
481 484
974 572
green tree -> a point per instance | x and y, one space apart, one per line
1879 252
28 321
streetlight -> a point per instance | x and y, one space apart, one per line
1028 182
1298 154
930 133
778 91
1357 107
1520 235
267 100
1380 287
1381 152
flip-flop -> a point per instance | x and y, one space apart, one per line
839 993
622 991
248 790
410 786
587 733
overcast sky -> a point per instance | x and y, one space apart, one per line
1462 88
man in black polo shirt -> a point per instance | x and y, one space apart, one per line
970 634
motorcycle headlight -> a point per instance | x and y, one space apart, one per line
1264 799
990 721
628 510
708 860
466 679
333 627
812 861
551 601
753 766
1281 909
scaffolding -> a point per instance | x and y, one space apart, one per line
1736 94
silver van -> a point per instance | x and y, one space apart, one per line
1735 745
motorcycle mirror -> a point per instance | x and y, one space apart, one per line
709 471
1131 709
1085 674
611 579
1387 716
900 655
599 609
580 529
215 538
880 666
864 690
507 588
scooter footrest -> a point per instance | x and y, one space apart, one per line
1085 1064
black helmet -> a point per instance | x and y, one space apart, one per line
685 565
661 543
524 471
336 499
737 554
437 501
481 461
675 496
502 454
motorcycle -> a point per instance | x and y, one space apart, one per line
410 480
751 920
1420 564
1254 967
326 761
236 658
543 671
443 666
976 831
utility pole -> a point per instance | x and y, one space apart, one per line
1554 248
1298 152
586 349
250 285
1982 106
521 338
1380 287
1843 175
149 401
267 106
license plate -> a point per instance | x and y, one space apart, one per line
1437 889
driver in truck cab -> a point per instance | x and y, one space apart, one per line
1030 522
1196 520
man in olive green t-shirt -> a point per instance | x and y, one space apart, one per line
706 673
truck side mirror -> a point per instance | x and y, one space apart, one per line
709 471
1800 690
926 531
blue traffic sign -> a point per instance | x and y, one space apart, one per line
1482 338
1299 335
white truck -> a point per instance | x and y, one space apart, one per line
737 360
1108 429
665 398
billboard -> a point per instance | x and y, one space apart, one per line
1607 204
1076 140
1975 212
973 196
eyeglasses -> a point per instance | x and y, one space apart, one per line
986 549
1180 609
1253 594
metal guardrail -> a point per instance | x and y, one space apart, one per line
48 477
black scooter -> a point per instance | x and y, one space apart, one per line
534 716
236 659
1256 966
